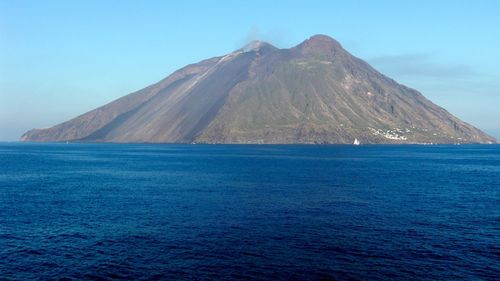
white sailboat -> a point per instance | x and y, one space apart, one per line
356 141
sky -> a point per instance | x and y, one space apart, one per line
60 59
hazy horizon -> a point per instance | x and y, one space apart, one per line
59 60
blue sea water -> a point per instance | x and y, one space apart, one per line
265 212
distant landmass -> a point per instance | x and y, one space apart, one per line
315 92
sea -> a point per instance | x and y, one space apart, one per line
249 212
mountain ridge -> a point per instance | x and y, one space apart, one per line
315 92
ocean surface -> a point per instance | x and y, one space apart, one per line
264 212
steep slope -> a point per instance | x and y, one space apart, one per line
315 92
90 123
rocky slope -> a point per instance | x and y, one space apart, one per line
315 92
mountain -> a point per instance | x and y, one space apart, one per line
315 92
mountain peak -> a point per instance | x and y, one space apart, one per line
319 43
256 46
322 38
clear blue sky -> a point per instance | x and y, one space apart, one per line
59 59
